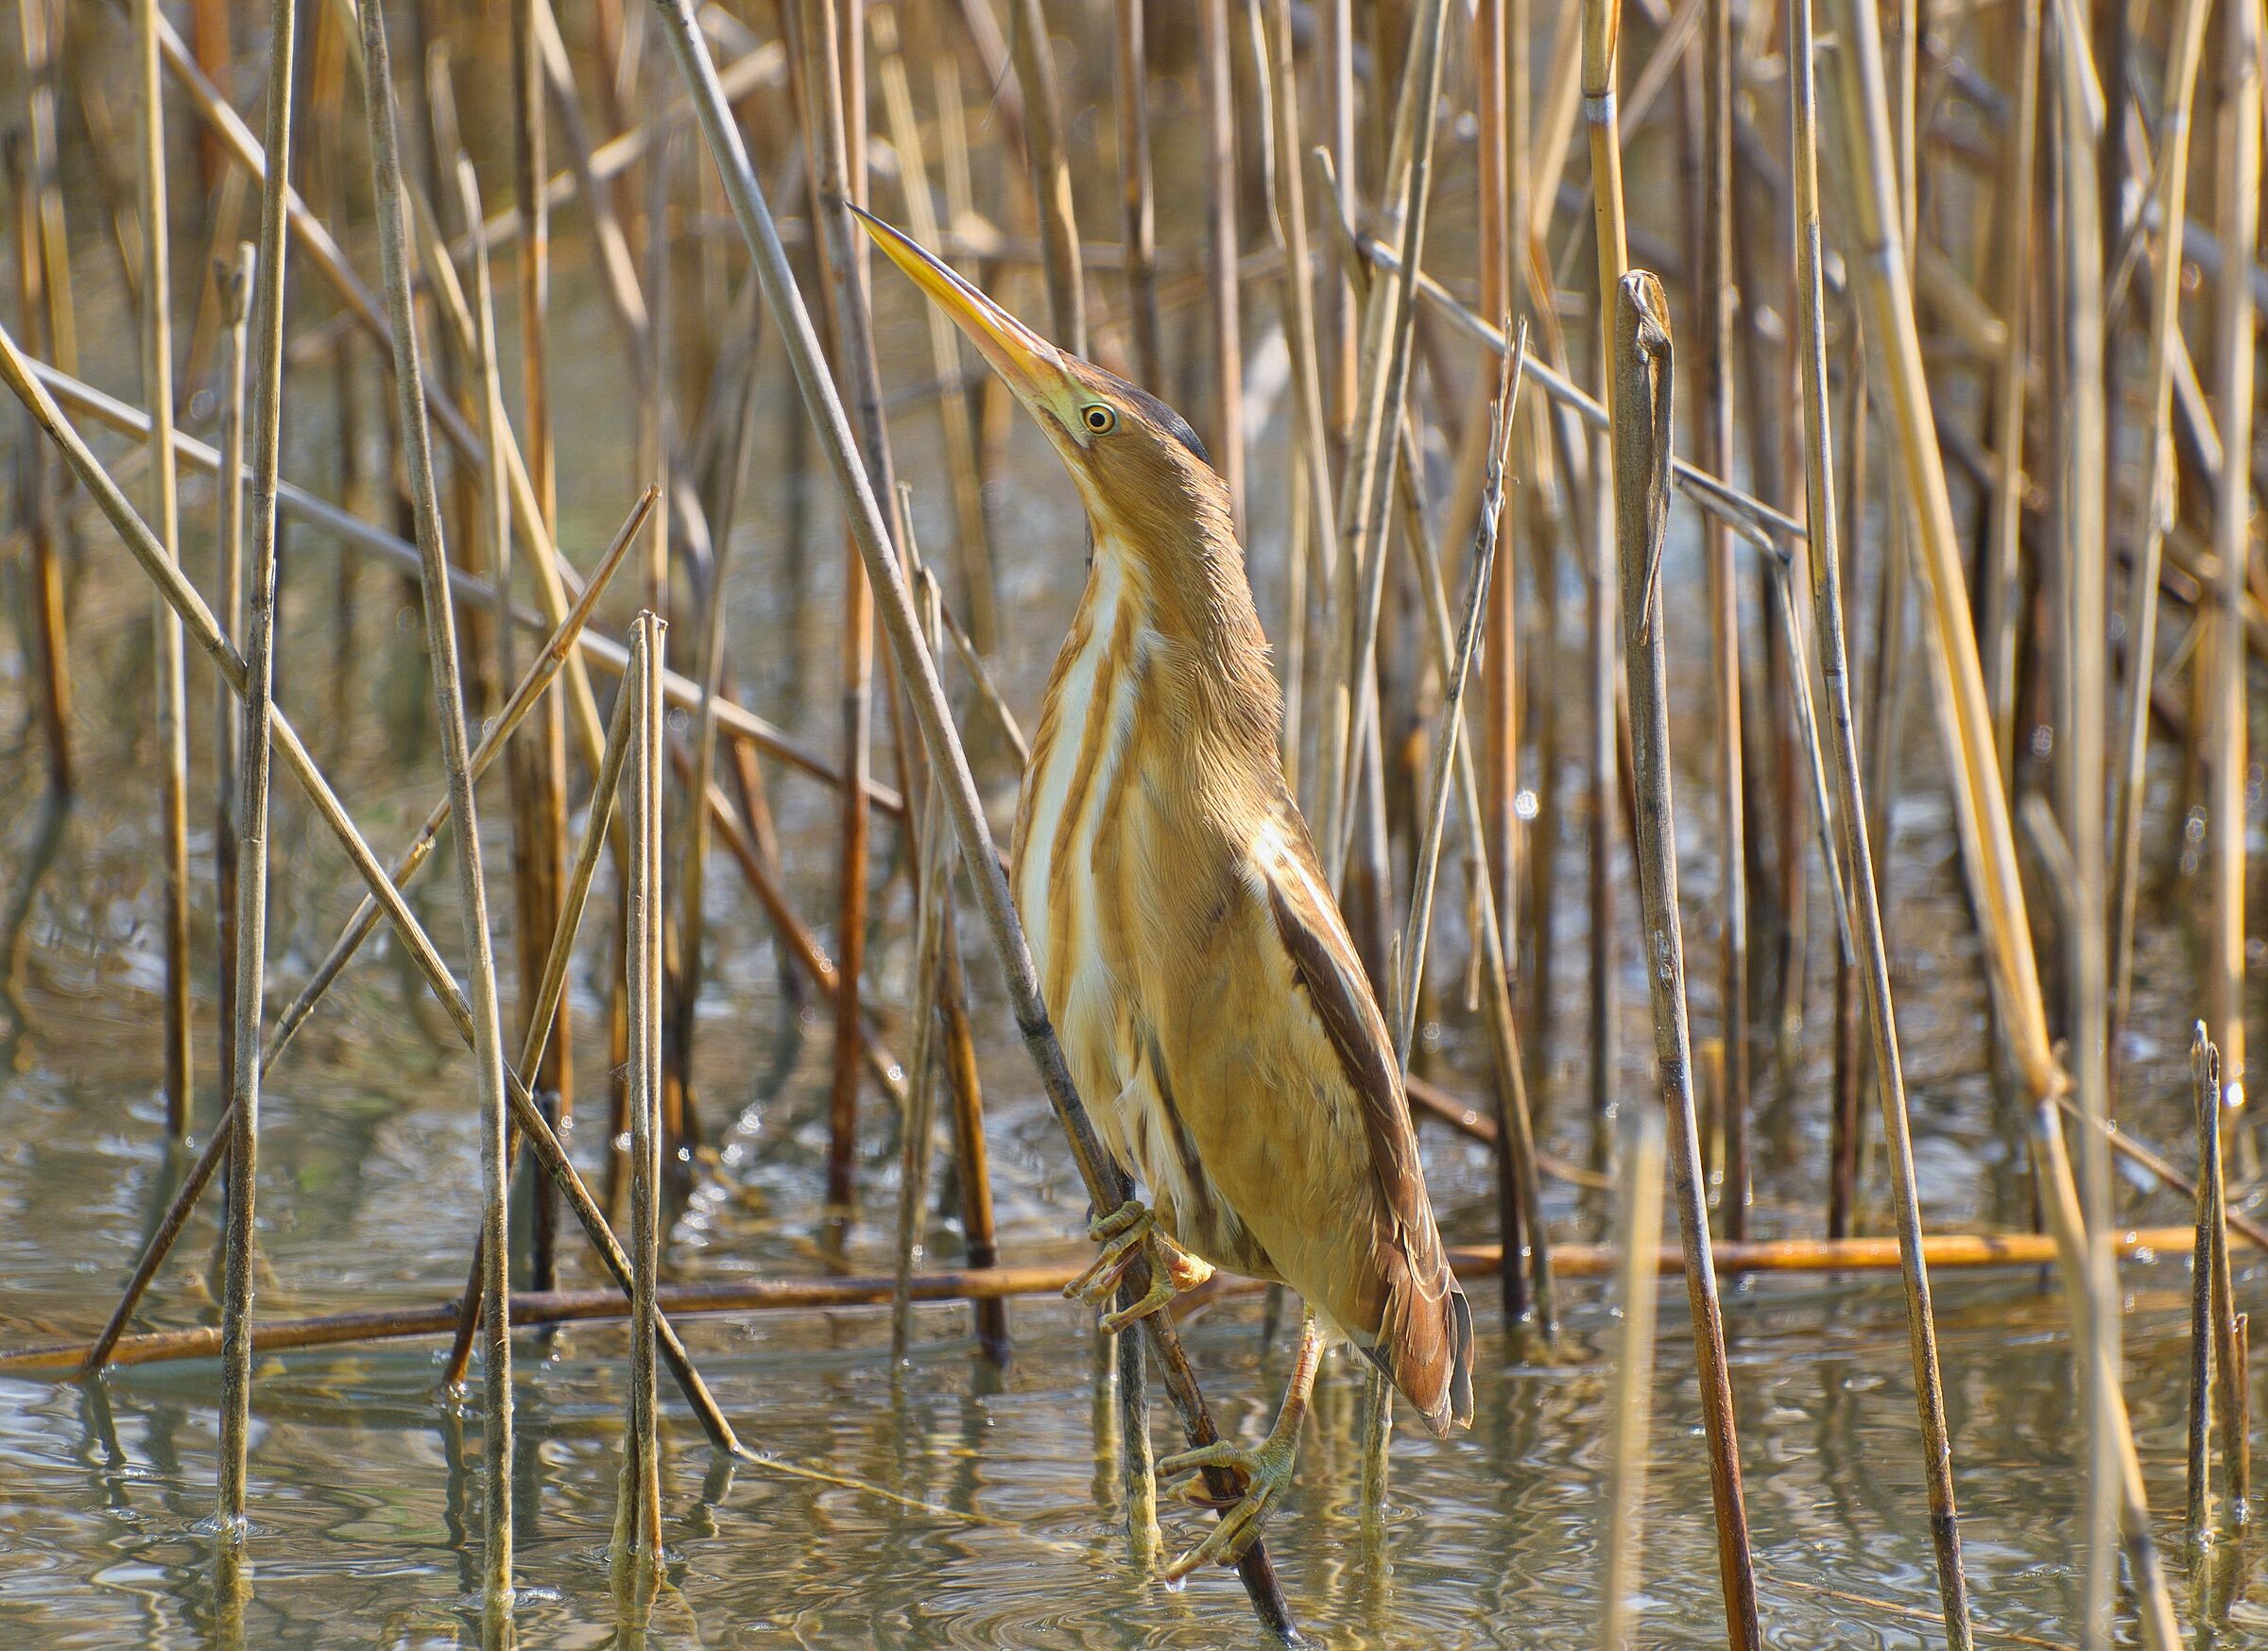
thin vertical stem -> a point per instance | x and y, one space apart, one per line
1051 175
440 636
1219 101
2002 593
2205 1091
50 631
252 865
169 662
1641 477
1865 903
2240 226
236 293
1629 1403
1138 209
638 1517
2171 196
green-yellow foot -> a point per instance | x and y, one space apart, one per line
1128 1232
1268 1474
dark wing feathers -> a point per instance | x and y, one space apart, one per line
1425 1341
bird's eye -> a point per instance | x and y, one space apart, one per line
1100 419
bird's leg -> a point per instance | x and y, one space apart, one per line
1267 1469
1127 1232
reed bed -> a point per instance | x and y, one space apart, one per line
1967 351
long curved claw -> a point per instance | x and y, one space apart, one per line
1268 1475
1173 1272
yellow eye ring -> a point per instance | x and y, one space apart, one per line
1100 418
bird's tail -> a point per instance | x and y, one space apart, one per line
1427 1353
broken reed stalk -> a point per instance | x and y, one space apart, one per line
254 685
1630 1390
25 380
2170 193
236 294
440 641
1642 482
918 671
1863 906
1981 806
638 1513
168 663
1218 105
2240 223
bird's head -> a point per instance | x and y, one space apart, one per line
1144 477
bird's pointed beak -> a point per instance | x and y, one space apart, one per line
1031 366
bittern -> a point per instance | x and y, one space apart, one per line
1213 1008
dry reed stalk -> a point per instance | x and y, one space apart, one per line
2001 594
2239 212
27 382
168 663
1601 24
35 25
1792 1258
1035 59
2171 192
1717 297
1278 79
1981 807
1137 210
2059 1199
1864 904
972 541
1217 104
254 685
1365 481
918 1127
541 1022
440 635
535 766
833 182
637 1543
1630 1403
947 759
2230 1399
2204 1094
1502 659
2082 579
50 632
1641 483
236 293
977 1227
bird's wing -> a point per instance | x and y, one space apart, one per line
1426 1337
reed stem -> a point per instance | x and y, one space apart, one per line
1630 1403
1642 482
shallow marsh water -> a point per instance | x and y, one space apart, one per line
944 1504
